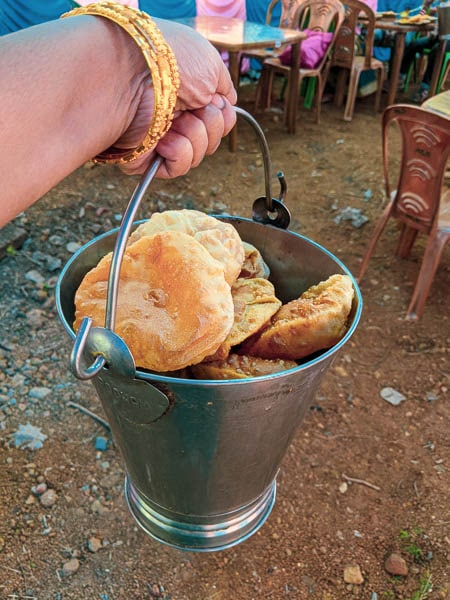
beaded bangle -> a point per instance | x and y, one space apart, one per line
163 69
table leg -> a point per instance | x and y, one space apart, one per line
293 89
396 64
233 67
437 67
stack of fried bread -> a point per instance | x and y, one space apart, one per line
195 299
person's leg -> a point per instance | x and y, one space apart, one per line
417 46
430 64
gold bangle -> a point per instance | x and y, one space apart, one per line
161 63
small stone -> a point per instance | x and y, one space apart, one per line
39 393
39 489
34 276
392 396
70 567
353 575
11 237
35 318
72 247
94 544
343 487
395 564
96 507
18 380
48 498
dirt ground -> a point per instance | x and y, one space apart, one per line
361 480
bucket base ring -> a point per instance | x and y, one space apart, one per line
200 537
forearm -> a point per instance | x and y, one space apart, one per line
63 101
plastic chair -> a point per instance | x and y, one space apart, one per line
316 15
285 9
349 64
418 203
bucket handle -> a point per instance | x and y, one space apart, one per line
266 210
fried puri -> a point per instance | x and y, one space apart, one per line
174 305
315 321
254 303
254 265
220 239
240 367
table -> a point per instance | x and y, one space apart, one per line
439 104
235 36
399 49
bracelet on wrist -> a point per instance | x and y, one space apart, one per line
161 63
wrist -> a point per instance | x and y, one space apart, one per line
161 65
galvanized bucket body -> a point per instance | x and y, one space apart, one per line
202 456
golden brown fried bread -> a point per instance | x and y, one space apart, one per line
220 239
254 265
315 321
240 367
254 304
174 305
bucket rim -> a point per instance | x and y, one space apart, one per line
157 378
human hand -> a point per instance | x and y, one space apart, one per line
203 113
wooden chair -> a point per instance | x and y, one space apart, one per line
349 64
418 202
316 15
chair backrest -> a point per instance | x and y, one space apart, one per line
345 43
317 15
321 16
288 13
425 149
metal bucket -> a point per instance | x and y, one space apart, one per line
201 457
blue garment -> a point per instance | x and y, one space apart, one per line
257 10
19 14
380 51
256 13
169 9
398 5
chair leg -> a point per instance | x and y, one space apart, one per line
444 73
406 242
340 87
259 90
380 79
351 95
426 275
270 76
311 83
412 67
319 92
264 90
374 239
287 96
